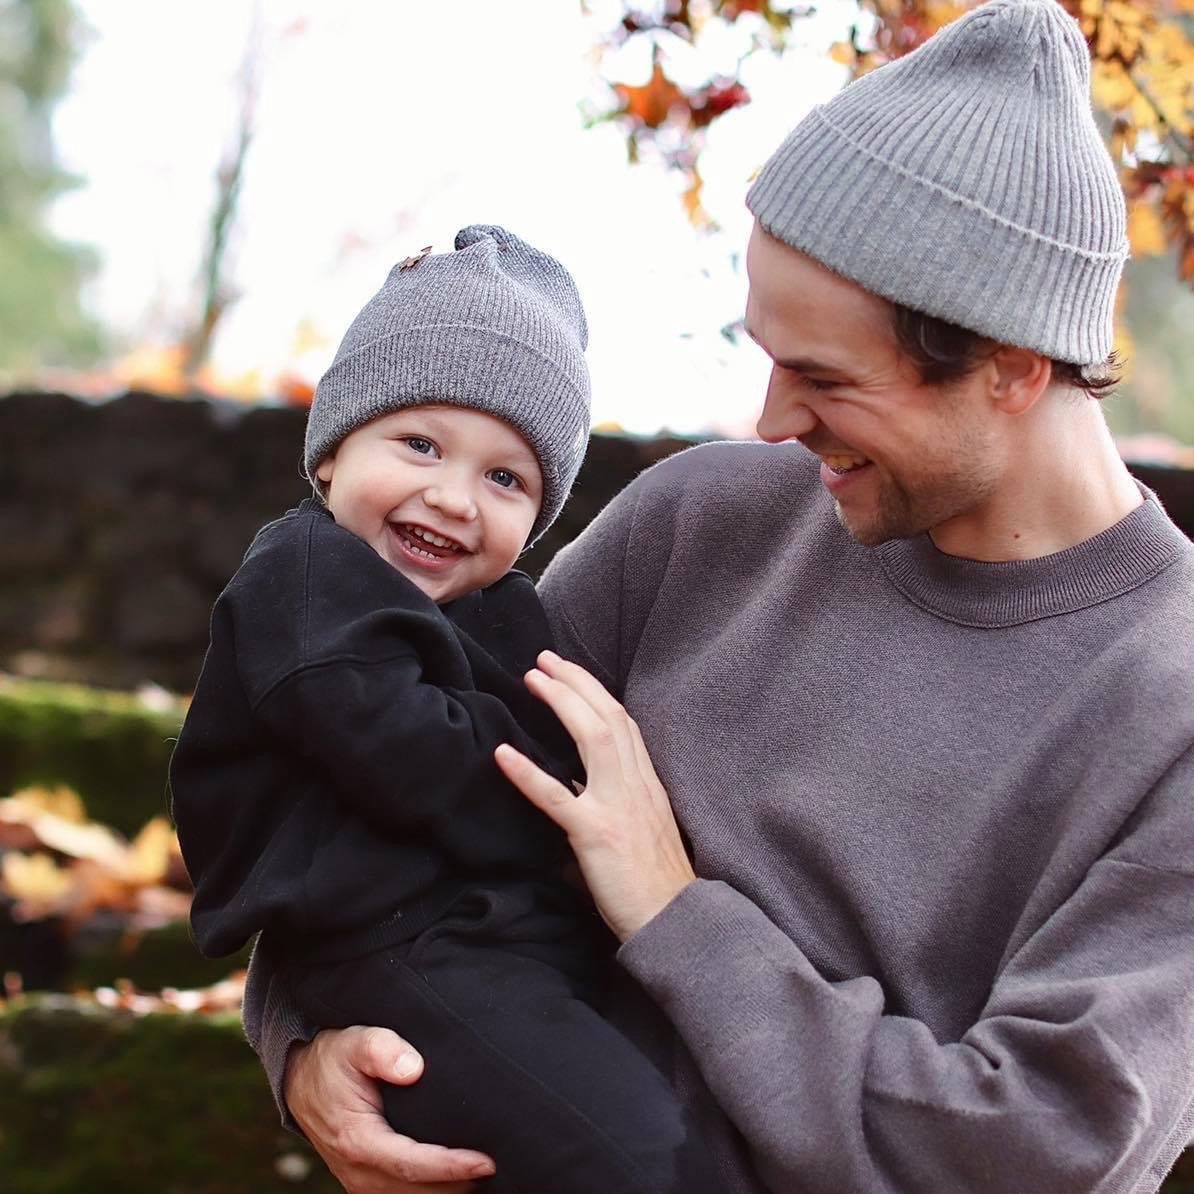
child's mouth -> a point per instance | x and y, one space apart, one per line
424 544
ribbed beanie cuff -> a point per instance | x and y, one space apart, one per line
496 326
968 181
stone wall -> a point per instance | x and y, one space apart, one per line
120 521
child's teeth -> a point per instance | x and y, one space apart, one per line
431 537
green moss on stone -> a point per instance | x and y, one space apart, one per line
107 746
165 957
96 1100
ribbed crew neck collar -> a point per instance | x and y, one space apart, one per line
981 593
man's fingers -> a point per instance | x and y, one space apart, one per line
380 1053
579 718
595 730
410 1161
585 685
544 791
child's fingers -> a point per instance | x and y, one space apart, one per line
544 791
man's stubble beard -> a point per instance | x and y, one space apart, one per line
903 510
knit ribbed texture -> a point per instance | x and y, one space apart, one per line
1011 592
966 180
497 326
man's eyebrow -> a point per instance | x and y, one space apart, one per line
809 365
798 364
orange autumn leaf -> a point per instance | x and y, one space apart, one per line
295 390
652 103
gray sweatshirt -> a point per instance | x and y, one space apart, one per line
943 812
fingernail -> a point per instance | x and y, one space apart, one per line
550 656
408 1064
484 1169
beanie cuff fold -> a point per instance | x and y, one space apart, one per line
457 365
913 243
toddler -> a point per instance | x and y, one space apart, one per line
334 785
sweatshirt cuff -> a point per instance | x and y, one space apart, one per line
709 931
281 1038
280 1026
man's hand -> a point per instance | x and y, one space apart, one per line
621 826
332 1092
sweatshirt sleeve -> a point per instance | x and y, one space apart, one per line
1075 1077
273 1023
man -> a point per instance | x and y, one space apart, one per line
924 706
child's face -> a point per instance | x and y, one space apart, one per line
465 477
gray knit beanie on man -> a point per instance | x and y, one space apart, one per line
496 326
967 181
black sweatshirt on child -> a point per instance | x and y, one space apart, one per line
334 782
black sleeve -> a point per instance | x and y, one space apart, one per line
397 750
362 675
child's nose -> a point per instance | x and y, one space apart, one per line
452 499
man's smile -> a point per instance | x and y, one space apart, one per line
843 462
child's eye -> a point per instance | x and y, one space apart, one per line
504 478
417 443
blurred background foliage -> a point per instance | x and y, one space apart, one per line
104 999
41 316
1142 82
1142 55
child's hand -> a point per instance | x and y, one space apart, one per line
621 826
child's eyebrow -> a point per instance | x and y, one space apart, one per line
523 456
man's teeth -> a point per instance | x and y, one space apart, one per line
432 538
843 463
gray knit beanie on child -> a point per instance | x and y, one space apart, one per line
496 326
967 181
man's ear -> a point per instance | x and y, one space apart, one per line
1019 377
324 471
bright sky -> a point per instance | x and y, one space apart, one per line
385 125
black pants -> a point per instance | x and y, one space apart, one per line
506 997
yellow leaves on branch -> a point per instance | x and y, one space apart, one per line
1113 29
1143 67
1146 233
1143 74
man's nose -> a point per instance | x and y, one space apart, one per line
785 415
452 497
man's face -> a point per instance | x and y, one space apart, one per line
445 494
899 457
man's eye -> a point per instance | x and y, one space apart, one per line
504 478
417 443
815 383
